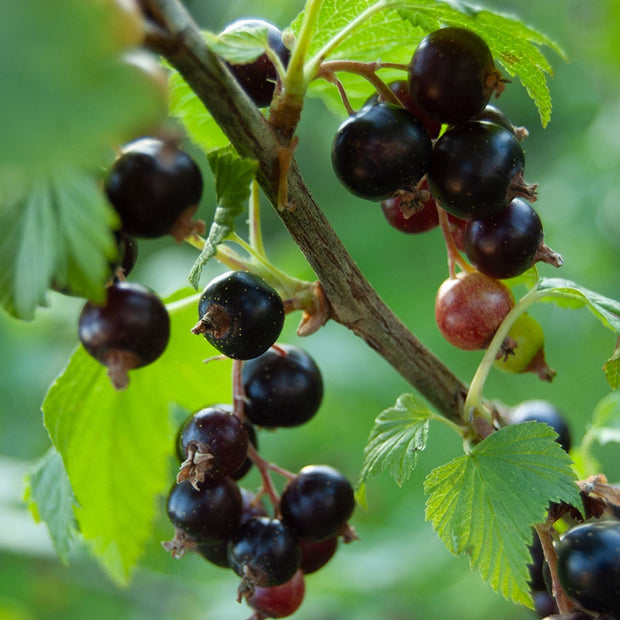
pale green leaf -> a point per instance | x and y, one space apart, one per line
606 419
239 46
233 176
56 228
51 500
116 445
396 439
485 503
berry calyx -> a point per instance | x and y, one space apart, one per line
317 503
379 150
259 77
470 308
155 188
283 387
130 330
279 601
543 411
411 220
240 315
452 75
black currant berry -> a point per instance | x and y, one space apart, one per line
240 315
317 503
129 331
279 601
452 75
470 308
283 387
588 565
315 554
543 411
411 221
213 443
258 78
155 188
505 244
379 150
247 464
476 169
207 514
264 551
492 114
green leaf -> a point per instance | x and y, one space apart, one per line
485 503
571 295
239 46
606 420
51 500
233 176
611 369
116 445
55 228
398 436
66 88
199 124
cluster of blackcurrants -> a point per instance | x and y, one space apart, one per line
445 151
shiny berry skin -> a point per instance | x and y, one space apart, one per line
208 514
219 434
264 551
258 78
245 467
543 411
283 386
317 503
452 75
314 555
279 601
470 308
588 565
129 331
421 221
379 150
151 185
240 315
476 169
505 244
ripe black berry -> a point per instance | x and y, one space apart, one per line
283 386
258 78
317 503
588 565
476 169
264 551
208 514
418 221
315 554
240 315
505 244
247 463
155 188
452 75
214 443
379 150
543 411
129 331
470 308
279 601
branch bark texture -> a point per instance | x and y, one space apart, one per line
354 303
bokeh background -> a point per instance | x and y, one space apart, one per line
399 570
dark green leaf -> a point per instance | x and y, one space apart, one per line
485 503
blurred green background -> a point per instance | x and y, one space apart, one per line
399 570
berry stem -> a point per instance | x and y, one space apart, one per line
255 231
239 397
454 256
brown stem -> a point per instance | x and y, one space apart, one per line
353 301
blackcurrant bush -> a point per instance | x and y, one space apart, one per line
543 411
207 514
417 221
264 551
258 78
452 75
317 502
379 150
283 387
279 601
588 565
476 169
155 188
315 554
240 315
523 350
505 244
470 308
214 443
129 331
